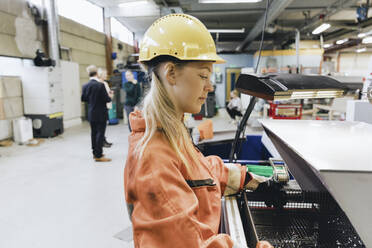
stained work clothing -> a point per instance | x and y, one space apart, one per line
206 130
169 208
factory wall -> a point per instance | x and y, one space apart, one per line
20 37
309 60
87 46
354 64
232 61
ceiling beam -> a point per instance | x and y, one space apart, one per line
363 27
203 11
275 9
328 12
348 44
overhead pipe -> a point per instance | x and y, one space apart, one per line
297 51
275 9
329 11
53 30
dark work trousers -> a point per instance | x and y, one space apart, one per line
233 112
97 136
128 109
104 138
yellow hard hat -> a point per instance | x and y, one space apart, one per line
181 36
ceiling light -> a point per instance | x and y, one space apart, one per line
360 50
339 42
362 35
367 40
229 1
327 45
36 2
133 4
227 30
321 28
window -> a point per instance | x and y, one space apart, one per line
83 12
120 32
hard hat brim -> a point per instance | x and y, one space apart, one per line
205 57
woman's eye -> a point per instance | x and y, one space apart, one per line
203 77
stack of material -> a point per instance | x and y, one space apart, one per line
11 104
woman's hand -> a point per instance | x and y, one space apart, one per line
264 244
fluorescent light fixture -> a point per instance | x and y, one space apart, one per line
133 4
339 42
289 86
316 94
327 45
367 40
229 1
36 2
321 28
362 35
360 50
227 30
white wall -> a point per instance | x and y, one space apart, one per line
232 61
307 60
354 64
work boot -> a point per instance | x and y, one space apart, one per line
107 145
101 156
102 159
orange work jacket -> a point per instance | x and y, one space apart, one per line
167 208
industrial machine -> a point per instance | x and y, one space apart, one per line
326 203
209 107
43 99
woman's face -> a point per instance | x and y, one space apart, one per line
104 75
129 76
191 87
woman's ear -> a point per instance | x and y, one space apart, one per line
170 73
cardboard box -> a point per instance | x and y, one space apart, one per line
11 108
10 87
6 131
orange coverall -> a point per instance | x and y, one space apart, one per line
167 208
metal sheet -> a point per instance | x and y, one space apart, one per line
235 225
335 156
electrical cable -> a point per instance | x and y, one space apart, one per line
262 37
242 126
247 113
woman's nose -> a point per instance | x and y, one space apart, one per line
209 86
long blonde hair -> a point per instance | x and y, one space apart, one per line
159 111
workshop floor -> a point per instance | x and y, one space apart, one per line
55 195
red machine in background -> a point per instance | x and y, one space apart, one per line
285 111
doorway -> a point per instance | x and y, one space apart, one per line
232 75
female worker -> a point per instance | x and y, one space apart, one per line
173 192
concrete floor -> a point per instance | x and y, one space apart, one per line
56 195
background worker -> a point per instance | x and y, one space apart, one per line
133 94
94 93
173 192
102 75
234 107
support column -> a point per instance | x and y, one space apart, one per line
108 45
